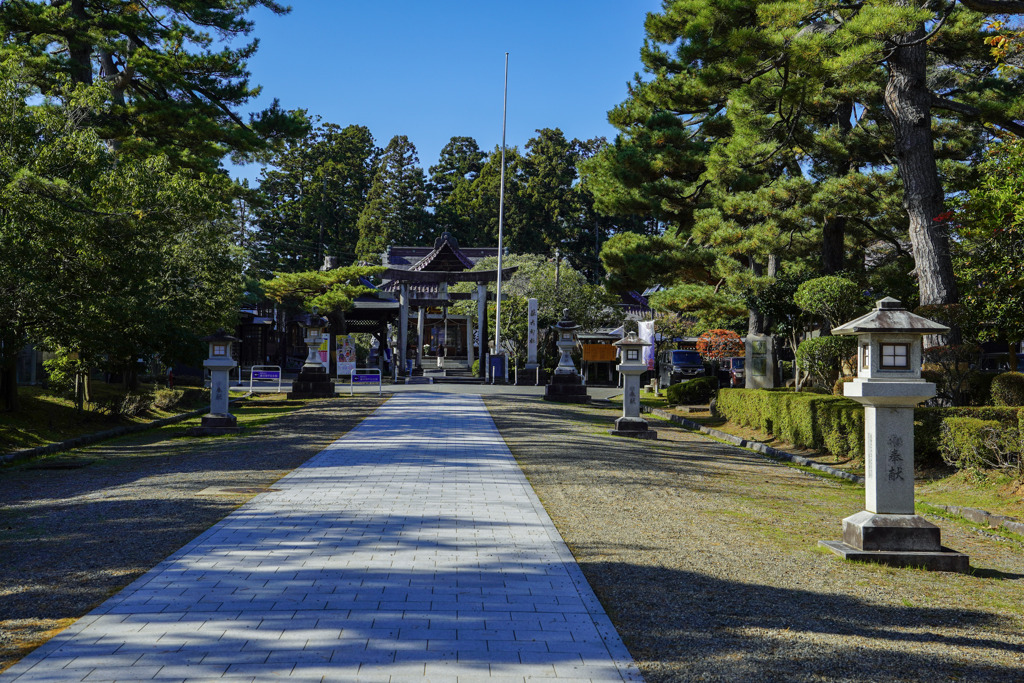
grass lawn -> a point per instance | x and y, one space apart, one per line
45 417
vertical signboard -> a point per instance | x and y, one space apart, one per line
531 333
346 349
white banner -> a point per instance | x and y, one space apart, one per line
646 332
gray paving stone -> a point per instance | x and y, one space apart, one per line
410 549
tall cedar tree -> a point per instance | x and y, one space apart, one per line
395 211
308 204
175 91
457 167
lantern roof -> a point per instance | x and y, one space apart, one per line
632 340
890 316
566 324
219 336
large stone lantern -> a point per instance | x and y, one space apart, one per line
566 385
631 366
314 328
889 386
220 364
313 380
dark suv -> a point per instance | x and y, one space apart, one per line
678 366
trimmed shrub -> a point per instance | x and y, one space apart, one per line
820 357
128 405
1008 389
970 443
476 367
928 427
693 392
167 399
809 420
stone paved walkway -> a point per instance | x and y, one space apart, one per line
411 549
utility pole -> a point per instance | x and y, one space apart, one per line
501 217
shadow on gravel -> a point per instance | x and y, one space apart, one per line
698 622
69 538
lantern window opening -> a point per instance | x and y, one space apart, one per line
895 356
220 350
865 357
633 354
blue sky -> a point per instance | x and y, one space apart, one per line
434 69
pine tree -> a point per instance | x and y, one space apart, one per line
844 91
457 167
173 92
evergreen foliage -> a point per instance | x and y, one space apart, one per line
309 202
396 204
173 90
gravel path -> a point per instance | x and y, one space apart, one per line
70 538
705 557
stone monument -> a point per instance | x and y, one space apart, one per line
889 385
313 380
220 364
631 366
566 385
759 372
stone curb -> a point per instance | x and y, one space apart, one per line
764 449
1011 524
88 439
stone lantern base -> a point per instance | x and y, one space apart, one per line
566 388
312 382
214 424
633 427
897 541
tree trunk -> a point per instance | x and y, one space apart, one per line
908 107
79 46
755 318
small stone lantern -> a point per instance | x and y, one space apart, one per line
632 365
313 380
220 364
566 385
889 386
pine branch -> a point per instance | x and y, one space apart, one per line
974 113
995 6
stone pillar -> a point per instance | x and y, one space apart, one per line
421 315
481 323
531 334
889 460
403 327
469 342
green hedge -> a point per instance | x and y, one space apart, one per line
693 392
822 422
836 425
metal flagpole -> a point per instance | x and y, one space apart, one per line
501 216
